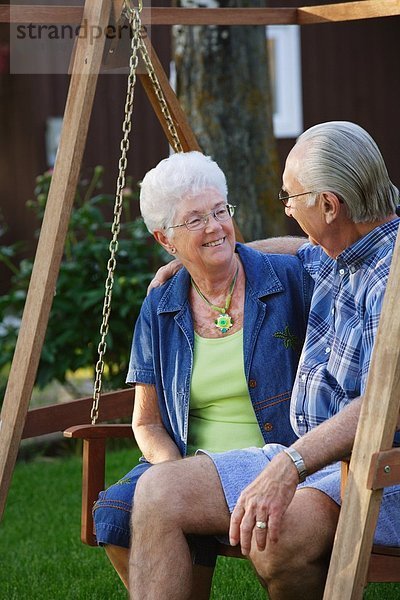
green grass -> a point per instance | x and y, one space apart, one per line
42 556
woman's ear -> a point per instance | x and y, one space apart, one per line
331 207
163 240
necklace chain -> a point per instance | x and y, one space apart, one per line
224 322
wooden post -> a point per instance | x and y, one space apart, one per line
185 133
51 242
93 468
379 414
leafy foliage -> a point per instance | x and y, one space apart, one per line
73 331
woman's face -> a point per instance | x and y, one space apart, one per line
212 246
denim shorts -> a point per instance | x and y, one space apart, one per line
112 515
238 468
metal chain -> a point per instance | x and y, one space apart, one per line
135 23
176 144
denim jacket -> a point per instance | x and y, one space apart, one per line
277 299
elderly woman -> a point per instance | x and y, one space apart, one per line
215 349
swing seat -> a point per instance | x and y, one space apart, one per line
384 565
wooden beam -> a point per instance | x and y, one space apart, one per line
305 15
219 16
27 13
51 242
348 11
379 413
185 133
154 16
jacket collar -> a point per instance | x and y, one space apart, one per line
261 280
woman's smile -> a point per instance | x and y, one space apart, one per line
216 243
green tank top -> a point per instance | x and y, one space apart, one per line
221 416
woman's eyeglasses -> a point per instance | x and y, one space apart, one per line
221 213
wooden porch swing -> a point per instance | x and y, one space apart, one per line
373 466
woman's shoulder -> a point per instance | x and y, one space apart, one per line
171 293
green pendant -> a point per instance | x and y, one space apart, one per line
223 323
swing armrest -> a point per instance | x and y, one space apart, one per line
93 467
384 470
100 431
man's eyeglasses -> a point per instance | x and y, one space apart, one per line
284 197
221 213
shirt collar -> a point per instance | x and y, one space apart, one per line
356 254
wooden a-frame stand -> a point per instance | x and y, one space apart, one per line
86 66
352 548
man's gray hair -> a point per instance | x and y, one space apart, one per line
341 157
177 177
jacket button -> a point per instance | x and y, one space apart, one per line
268 426
253 383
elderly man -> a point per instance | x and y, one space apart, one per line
282 504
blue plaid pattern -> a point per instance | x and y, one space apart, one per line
343 321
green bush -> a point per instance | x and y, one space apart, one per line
73 331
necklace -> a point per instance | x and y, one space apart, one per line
224 322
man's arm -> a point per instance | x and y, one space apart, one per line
278 245
269 495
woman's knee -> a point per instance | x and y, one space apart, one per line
111 512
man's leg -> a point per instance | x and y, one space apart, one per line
171 500
296 566
201 575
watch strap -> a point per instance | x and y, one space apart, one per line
298 463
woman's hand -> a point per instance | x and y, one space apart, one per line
265 500
164 273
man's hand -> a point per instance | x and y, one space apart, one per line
265 499
164 273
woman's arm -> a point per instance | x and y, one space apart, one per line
150 434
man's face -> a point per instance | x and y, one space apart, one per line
310 218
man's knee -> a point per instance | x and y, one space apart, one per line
154 487
306 539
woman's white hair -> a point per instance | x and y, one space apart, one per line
179 176
341 157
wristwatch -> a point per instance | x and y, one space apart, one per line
298 463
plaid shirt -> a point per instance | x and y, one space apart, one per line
343 321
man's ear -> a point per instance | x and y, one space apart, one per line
331 206
162 239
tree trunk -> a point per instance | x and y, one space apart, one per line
223 86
